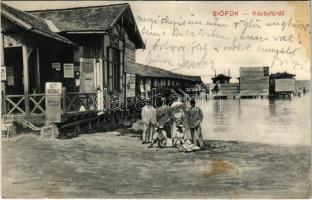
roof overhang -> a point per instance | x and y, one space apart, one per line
28 27
86 32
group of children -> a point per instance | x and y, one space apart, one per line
166 125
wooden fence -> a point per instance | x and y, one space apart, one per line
71 102
76 102
16 104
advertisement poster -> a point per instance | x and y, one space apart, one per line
53 92
68 70
3 73
130 82
56 66
217 106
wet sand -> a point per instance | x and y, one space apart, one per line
116 165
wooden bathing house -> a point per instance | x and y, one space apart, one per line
222 88
254 82
282 85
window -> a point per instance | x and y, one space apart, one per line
114 70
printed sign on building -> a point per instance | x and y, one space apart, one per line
285 85
68 70
53 91
56 66
130 84
53 88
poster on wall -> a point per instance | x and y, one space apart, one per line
10 76
3 73
68 70
88 82
56 66
130 85
10 80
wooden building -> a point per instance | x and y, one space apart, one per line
254 82
84 48
89 50
27 44
221 79
149 81
222 88
282 85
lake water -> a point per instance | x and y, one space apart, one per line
258 120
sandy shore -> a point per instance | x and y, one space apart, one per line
116 165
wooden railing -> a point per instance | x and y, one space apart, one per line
75 102
15 104
37 104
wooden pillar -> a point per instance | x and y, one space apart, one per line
38 86
3 85
26 79
64 100
81 86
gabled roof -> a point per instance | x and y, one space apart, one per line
30 22
95 18
282 75
154 72
222 77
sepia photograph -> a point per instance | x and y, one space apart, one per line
156 99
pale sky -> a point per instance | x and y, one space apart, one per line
201 51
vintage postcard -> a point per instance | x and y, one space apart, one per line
155 99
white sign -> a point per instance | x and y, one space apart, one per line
3 73
53 88
56 66
68 70
285 85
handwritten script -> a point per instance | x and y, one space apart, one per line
205 43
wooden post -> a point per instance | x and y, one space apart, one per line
105 94
3 85
64 100
26 79
38 87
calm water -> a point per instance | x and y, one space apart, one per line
258 120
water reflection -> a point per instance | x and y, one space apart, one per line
258 120
272 107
